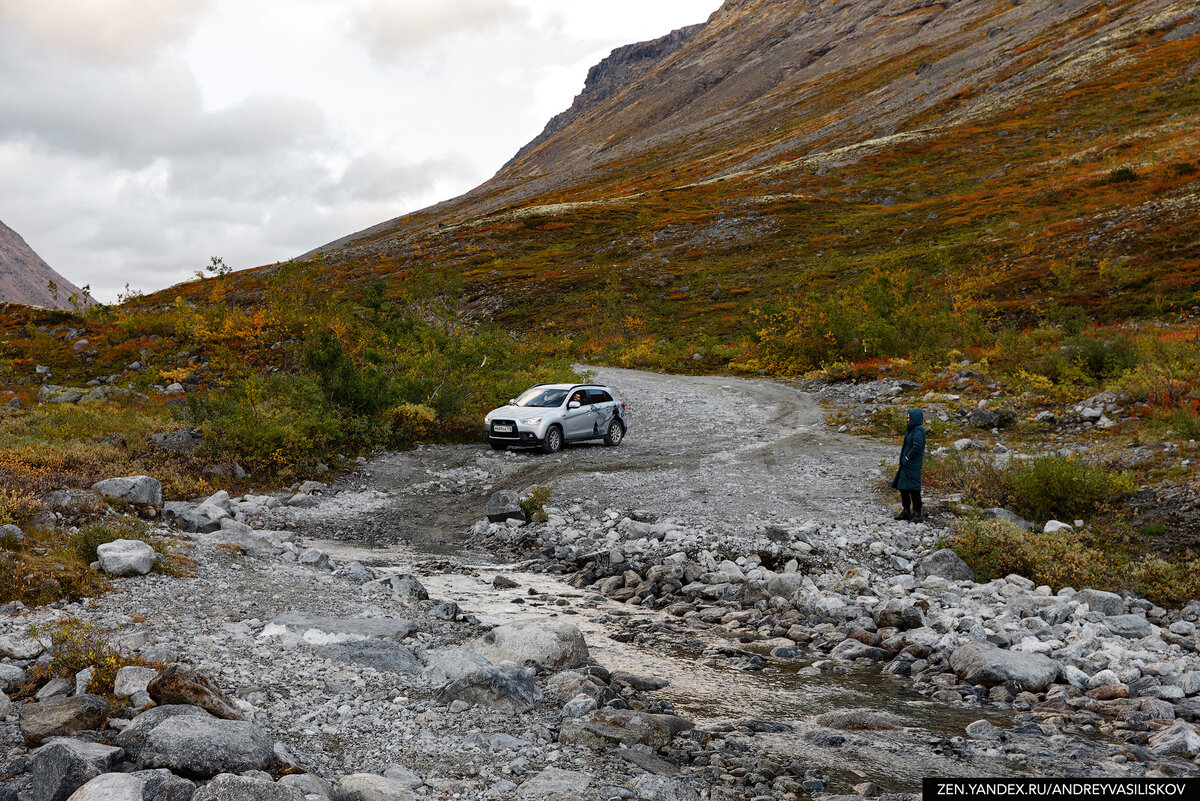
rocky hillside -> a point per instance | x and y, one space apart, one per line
25 278
1044 148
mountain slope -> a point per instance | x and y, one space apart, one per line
1025 160
25 278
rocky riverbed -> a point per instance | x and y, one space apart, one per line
718 609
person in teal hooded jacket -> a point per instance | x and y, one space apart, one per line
908 477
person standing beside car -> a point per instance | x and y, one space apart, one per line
908 475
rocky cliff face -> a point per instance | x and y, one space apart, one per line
24 277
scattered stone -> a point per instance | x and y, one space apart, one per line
61 767
983 730
1132 627
1180 739
132 680
555 783
1055 526
140 490
504 583
1106 603
659 788
860 720
607 726
18 646
191 742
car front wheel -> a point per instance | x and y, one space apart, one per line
554 440
616 433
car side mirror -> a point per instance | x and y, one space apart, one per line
512 401
573 405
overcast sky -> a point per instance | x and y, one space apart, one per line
139 138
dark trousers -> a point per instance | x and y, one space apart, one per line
911 500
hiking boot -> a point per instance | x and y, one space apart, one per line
905 515
918 518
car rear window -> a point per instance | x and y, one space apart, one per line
598 396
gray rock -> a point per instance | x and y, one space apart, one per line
163 785
141 490
186 686
1180 739
976 663
62 766
315 557
199 745
126 558
370 787
1188 682
382 655
405 776
506 684
999 513
542 642
10 676
309 784
18 646
851 649
896 613
11 533
1106 603
579 706
1132 627
406 589
111 787
356 571
505 505
132 680
227 787
608 726
321 630
183 442
450 664
860 720
784 584
133 737
555 783
59 717
983 730
56 686
659 788
944 564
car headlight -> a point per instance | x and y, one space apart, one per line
487 418
529 421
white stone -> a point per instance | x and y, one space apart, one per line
110 787
132 680
1053 526
142 490
126 558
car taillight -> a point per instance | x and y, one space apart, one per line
622 405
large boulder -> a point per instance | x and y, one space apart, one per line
1132 627
184 685
182 442
228 787
446 665
784 584
607 726
896 613
555 783
1106 603
140 490
382 655
977 663
372 787
1180 739
542 642
58 717
132 680
320 630
62 766
505 505
406 589
944 564
18 646
161 784
111 787
191 742
126 558
504 685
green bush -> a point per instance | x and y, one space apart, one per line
534 504
994 549
1054 486
85 541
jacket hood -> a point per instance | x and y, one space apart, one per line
916 417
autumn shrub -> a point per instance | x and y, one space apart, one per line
411 422
534 504
1041 488
43 568
76 645
90 537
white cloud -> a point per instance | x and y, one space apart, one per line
120 31
391 29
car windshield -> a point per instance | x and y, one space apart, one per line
542 398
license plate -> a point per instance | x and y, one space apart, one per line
502 429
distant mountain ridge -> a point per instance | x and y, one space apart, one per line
25 277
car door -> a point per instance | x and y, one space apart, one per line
577 423
601 406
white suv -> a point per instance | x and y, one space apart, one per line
550 415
